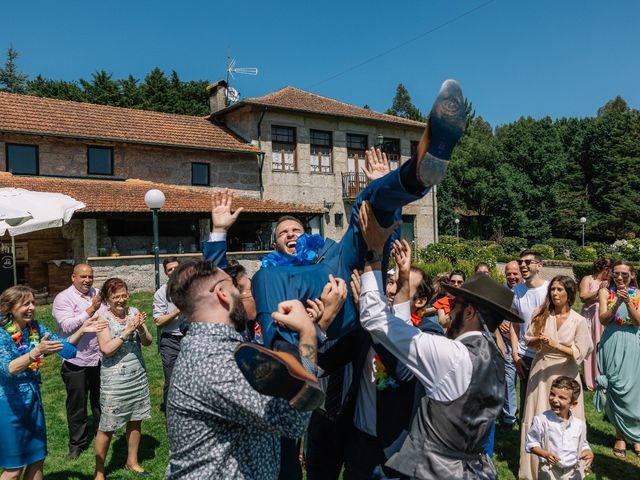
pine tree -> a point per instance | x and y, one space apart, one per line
402 106
13 81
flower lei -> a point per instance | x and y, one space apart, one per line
635 300
380 375
307 248
16 335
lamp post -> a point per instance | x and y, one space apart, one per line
457 222
583 221
380 141
155 200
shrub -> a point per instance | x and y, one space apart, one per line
449 239
581 269
585 254
602 249
434 268
436 252
544 250
562 247
513 245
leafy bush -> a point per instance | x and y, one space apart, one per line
513 245
544 250
449 239
562 246
602 249
436 252
434 268
627 249
581 269
585 254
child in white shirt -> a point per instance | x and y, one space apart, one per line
559 438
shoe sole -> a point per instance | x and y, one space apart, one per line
278 374
446 122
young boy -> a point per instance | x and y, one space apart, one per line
559 438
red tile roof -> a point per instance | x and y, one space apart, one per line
46 116
291 98
110 196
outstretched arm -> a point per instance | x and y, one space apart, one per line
222 218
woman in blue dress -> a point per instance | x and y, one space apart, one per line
24 343
618 389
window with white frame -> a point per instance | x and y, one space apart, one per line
391 146
283 146
320 144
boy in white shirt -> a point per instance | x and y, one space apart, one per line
559 438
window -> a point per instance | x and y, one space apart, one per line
356 148
100 160
414 147
320 151
339 220
200 174
391 146
283 147
22 159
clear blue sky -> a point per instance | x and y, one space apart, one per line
514 57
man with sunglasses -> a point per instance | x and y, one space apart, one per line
528 296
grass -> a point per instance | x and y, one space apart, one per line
154 450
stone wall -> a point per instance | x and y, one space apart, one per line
138 271
68 157
303 186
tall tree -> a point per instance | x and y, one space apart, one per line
43 87
402 106
10 77
102 89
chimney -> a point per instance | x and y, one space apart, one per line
217 97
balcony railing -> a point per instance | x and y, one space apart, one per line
352 184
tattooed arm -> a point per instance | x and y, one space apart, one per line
293 315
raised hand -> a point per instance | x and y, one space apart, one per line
376 164
293 315
374 235
46 346
355 287
315 309
333 296
221 216
401 253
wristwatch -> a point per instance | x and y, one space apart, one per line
372 256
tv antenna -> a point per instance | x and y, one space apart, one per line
231 93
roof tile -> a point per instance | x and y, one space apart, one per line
110 196
46 116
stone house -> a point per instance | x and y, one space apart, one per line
289 152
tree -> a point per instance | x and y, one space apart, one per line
13 81
43 87
402 106
102 89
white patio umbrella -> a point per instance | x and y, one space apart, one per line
46 210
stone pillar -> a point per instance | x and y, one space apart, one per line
90 234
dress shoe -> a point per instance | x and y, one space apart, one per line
74 453
279 374
446 124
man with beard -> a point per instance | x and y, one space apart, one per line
463 375
218 425
81 375
528 296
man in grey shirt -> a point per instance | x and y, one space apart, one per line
218 426
167 318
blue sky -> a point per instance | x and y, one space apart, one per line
514 57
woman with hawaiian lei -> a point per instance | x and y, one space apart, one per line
562 339
619 357
124 388
24 343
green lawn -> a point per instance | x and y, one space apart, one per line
154 447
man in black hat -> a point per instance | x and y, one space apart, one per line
463 375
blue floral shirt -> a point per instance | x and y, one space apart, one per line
9 352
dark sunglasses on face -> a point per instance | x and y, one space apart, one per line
621 274
456 282
527 262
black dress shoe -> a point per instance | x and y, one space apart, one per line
279 374
446 124
74 453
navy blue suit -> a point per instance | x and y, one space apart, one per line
270 286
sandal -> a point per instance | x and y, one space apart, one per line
620 452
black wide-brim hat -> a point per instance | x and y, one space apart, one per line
481 289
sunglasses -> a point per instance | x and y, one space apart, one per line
621 274
456 282
527 262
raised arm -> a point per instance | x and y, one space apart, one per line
67 319
215 250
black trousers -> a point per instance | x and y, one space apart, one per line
169 350
82 383
523 384
364 453
325 447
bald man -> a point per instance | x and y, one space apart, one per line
81 375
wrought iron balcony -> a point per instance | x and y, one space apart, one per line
352 184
